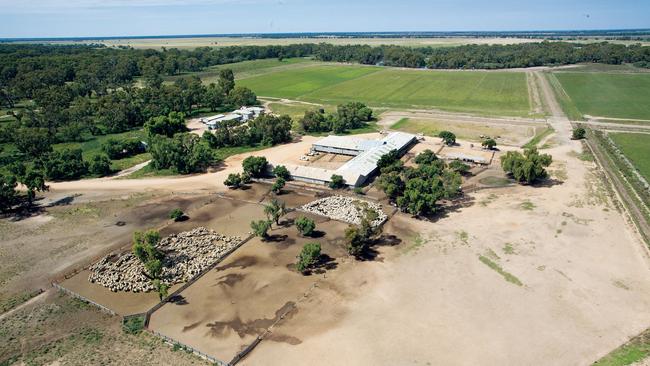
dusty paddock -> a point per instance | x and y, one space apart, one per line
585 285
230 306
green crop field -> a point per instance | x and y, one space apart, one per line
490 93
613 95
245 69
636 146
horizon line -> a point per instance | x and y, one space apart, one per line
540 32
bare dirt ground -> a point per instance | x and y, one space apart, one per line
584 276
229 307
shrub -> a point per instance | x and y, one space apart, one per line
358 190
305 225
579 133
176 214
308 257
234 181
336 181
133 325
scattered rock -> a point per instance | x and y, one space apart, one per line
343 208
186 255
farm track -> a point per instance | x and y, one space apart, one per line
562 125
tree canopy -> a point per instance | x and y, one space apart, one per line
528 167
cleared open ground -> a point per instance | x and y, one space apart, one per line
614 95
508 278
495 93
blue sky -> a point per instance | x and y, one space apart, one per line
70 18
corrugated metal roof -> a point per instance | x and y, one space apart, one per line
341 142
360 166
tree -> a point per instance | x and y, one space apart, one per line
388 159
8 193
34 142
353 115
242 96
261 228
255 166
100 165
449 138
161 288
308 257
226 81
185 153
278 185
66 164
270 130
233 181
305 226
176 214
527 168
34 181
144 248
167 125
426 157
360 237
489 143
336 182
274 210
245 178
459 167
214 97
392 184
579 133
315 121
281 171
153 267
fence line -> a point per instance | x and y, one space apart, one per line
173 342
82 298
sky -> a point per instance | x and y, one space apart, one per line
102 18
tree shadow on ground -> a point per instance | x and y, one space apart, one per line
23 212
276 238
178 300
452 206
547 183
325 263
